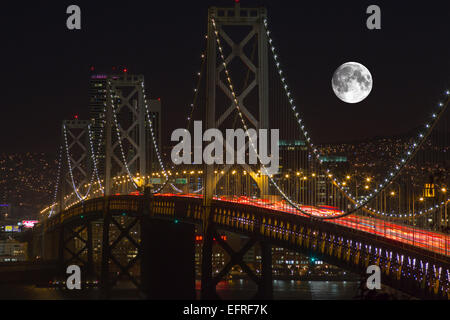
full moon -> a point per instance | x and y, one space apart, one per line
352 82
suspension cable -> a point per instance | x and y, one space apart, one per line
58 176
195 98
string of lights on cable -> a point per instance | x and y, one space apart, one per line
193 105
58 177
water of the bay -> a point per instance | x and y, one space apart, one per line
227 290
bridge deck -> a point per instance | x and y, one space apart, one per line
429 240
410 258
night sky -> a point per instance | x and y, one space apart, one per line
45 67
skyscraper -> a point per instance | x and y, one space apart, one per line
97 102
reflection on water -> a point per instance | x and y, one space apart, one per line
227 290
291 290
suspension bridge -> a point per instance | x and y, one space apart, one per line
119 202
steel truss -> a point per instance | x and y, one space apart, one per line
125 95
75 248
108 280
80 172
264 282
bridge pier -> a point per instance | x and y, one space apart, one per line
49 246
167 263
90 252
265 286
106 252
208 286
61 245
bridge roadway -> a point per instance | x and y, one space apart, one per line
416 261
429 240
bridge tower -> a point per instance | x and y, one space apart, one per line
125 128
76 150
252 21
249 19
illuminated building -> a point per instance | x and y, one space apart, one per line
293 149
97 102
5 211
12 251
287 263
333 158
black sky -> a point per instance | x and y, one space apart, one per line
45 67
